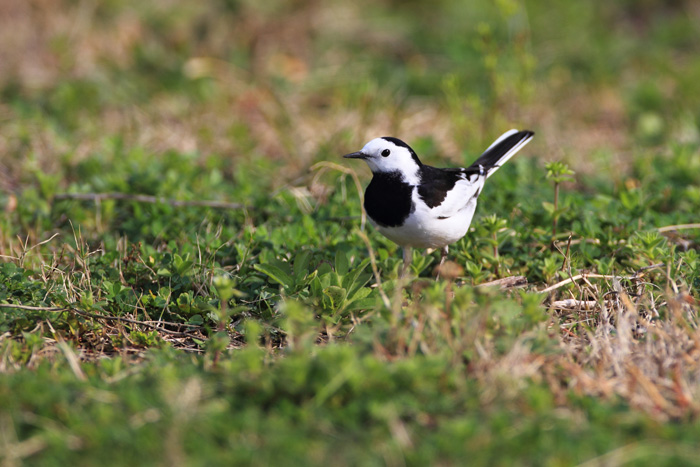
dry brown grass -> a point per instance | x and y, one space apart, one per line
639 341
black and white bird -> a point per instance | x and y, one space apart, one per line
416 205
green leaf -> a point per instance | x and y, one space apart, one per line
196 320
324 268
361 304
184 301
341 263
301 266
276 274
359 294
87 300
182 265
117 288
558 172
225 288
316 287
336 295
549 207
350 278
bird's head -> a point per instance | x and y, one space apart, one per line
388 154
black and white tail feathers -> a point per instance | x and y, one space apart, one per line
500 151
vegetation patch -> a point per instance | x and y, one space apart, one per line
187 276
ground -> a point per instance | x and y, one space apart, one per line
186 275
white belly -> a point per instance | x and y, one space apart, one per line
423 229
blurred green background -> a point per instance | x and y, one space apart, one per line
302 81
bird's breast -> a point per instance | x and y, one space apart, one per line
388 199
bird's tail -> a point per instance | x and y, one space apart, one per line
500 151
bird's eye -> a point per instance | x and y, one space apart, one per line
385 153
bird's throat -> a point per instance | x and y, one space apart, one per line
388 199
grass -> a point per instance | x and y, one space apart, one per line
186 273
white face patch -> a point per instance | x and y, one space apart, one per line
385 156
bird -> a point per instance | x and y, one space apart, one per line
419 206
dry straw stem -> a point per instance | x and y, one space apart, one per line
120 319
506 282
643 450
13 451
71 357
574 279
322 167
597 276
671 228
573 304
375 270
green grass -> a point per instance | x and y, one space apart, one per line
185 277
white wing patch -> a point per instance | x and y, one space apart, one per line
459 197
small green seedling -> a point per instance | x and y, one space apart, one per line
558 173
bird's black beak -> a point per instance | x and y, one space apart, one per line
356 155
